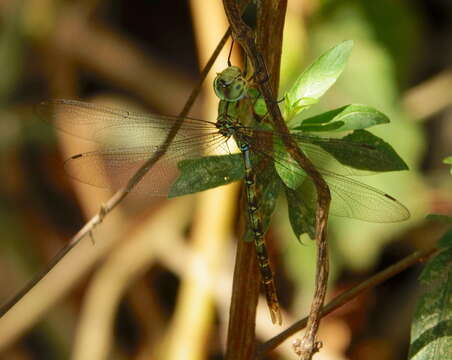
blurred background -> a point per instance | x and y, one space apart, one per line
154 281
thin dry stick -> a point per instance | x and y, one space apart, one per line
94 335
122 193
211 228
309 345
350 294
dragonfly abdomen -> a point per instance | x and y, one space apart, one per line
255 221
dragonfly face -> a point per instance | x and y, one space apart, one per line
229 85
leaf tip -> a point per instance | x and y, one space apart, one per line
348 44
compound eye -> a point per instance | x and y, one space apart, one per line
229 85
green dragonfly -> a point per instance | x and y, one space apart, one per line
126 140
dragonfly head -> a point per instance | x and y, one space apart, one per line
230 85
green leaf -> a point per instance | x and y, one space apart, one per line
321 128
260 108
294 107
439 218
364 151
349 117
446 240
291 174
268 186
448 161
206 173
317 78
431 331
301 212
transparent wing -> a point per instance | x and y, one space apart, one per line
127 141
312 147
350 198
114 167
319 157
92 121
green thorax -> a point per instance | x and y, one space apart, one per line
227 121
231 87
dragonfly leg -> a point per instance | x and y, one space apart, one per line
230 53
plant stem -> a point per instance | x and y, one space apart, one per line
246 284
309 345
242 314
346 296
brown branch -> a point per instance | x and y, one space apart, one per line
244 35
122 193
246 282
242 314
346 296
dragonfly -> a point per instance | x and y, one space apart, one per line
126 140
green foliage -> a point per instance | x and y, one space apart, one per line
206 173
431 331
448 161
370 78
439 218
348 117
372 154
291 174
301 214
260 108
317 79
358 150
211 171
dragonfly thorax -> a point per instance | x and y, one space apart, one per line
226 126
230 85
230 127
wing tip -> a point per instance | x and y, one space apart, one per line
75 157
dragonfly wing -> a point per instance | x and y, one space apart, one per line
324 160
93 121
148 135
113 167
126 141
349 198
318 156
354 199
